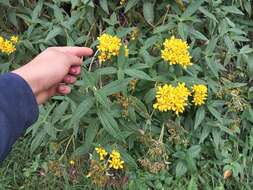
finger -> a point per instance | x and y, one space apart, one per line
42 97
69 79
74 60
77 51
63 89
75 70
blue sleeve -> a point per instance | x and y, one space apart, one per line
18 110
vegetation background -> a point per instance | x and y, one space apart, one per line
206 147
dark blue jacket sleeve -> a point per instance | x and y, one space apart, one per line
18 110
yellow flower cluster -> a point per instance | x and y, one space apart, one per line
102 153
115 160
172 98
8 46
108 47
199 94
176 52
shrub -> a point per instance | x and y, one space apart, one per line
169 88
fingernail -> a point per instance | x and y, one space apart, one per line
74 70
62 88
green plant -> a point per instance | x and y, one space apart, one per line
112 102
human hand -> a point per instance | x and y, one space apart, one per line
51 71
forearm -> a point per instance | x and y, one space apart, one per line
18 110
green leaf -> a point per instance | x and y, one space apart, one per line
180 169
115 86
5 2
58 13
53 33
200 116
74 3
192 8
164 28
250 65
194 151
109 124
80 111
38 140
104 5
121 59
208 14
59 111
130 161
106 71
12 18
148 11
89 79
232 9
90 135
215 113
102 98
183 30
130 4
72 20
139 107
150 96
137 74
205 132
211 45
198 35
216 137
37 10
211 64
149 42
192 185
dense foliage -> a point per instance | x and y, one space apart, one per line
164 103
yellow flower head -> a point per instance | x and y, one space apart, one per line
199 94
169 98
72 162
14 39
109 46
176 52
7 46
102 153
115 161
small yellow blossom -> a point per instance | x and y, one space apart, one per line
134 33
14 39
115 161
169 98
126 51
72 162
199 94
7 46
122 2
102 153
176 52
115 154
108 47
